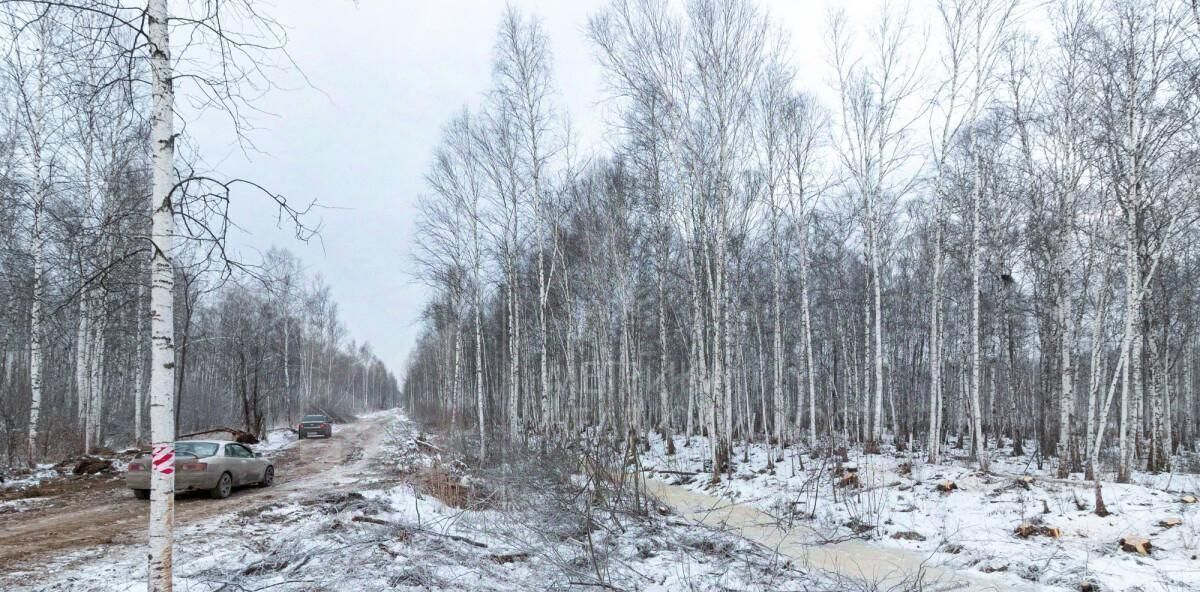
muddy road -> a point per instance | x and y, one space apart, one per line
88 513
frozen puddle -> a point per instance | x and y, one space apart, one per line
884 567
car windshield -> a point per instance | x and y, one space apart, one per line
313 418
197 449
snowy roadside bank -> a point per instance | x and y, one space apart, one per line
392 515
895 504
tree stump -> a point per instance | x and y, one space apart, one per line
91 466
947 486
1026 530
1170 522
1134 544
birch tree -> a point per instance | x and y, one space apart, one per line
875 119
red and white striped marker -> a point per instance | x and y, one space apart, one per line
164 459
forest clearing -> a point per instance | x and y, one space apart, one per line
607 294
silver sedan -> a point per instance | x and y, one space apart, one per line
215 466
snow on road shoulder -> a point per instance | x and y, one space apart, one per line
27 478
896 503
276 440
387 530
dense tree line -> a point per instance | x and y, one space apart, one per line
987 244
255 345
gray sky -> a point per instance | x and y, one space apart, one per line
390 73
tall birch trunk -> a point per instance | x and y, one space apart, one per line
37 246
139 368
806 319
1066 418
1131 347
1094 375
162 287
935 348
977 440
81 366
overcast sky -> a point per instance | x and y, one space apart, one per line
387 75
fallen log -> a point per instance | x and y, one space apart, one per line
685 473
239 436
371 520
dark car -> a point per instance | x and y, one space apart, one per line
315 425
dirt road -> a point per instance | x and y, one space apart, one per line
884 567
105 512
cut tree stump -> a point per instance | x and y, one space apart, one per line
1025 481
1133 544
1170 522
1026 530
91 466
947 486
1188 499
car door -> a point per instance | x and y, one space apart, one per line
257 464
250 470
237 455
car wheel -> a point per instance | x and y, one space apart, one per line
268 477
142 494
224 487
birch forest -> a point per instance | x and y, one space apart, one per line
617 295
978 233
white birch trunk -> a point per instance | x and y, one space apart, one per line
162 284
1066 419
139 369
81 366
935 348
96 383
1095 376
1131 347
977 439
38 247
806 318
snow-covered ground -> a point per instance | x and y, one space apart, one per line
374 524
280 439
29 478
972 527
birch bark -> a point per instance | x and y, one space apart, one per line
162 284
